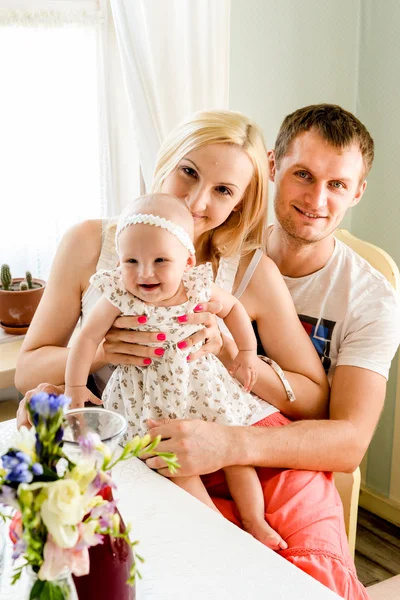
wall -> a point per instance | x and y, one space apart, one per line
287 54
377 217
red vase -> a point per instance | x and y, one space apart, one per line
110 565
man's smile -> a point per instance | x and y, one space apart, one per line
310 215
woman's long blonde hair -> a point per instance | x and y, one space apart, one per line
244 229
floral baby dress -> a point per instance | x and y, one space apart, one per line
171 387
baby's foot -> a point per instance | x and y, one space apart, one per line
265 534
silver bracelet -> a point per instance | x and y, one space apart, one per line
281 375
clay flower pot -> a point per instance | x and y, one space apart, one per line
18 307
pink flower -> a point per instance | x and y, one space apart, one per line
88 536
15 531
59 560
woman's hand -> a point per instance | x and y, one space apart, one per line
122 346
22 412
210 335
49 388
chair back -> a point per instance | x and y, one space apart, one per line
348 484
377 258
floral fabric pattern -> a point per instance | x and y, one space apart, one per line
171 387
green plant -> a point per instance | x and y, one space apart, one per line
28 278
6 278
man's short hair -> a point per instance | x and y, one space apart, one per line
336 125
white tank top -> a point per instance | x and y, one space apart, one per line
108 259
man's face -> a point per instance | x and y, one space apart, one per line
315 185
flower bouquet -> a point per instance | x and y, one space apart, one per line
60 508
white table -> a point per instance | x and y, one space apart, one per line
190 551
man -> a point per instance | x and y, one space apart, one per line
320 163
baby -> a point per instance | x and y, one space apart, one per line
157 278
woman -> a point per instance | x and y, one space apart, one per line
217 163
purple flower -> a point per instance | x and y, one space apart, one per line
58 402
20 547
88 442
18 466
104 514
59 435
8 496
13 458
47 405
37 469
20 473
38 446
39 404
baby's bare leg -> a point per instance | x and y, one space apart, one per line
246 490
196 488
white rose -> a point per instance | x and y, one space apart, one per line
25 440
61 512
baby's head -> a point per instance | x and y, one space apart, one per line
155 246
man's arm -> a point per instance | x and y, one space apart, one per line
339 444
357 398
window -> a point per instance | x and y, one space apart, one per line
50 152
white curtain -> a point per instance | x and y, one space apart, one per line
175 58
52 153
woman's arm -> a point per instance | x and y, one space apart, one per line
268 302
44 353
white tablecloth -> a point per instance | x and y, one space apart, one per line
190 551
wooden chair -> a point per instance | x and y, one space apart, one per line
348 484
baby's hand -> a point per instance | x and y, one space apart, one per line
79 395
246 361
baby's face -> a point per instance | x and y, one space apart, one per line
152 262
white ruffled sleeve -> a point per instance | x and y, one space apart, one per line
110 285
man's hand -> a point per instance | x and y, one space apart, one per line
201 447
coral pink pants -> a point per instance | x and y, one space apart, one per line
306 510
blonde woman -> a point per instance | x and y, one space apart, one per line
217 162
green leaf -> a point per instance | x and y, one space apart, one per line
37 589
49 590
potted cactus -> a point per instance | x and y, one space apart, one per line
19 299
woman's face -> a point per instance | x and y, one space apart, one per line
212 180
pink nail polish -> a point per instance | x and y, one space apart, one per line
147 361
159 351
182 319
198 308
142 319
161 337
182 345
188 357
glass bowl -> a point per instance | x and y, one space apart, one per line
109 426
